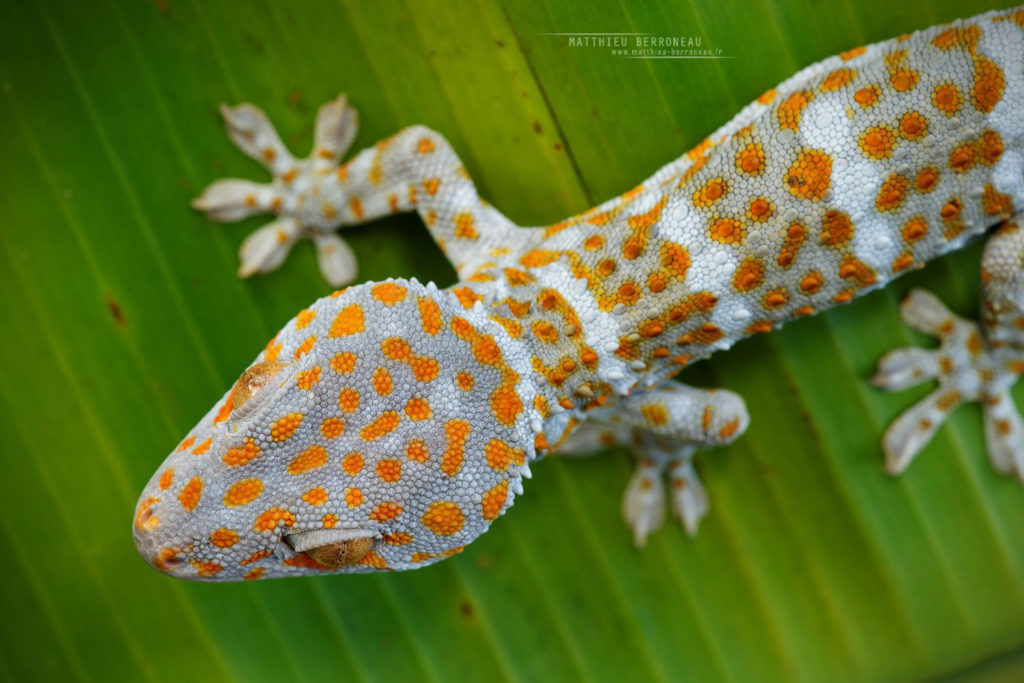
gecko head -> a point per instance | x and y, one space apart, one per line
382 429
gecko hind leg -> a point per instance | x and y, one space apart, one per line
665 428
972 362
293 181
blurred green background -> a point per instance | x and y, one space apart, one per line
123 321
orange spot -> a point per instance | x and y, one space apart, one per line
235 457
397 538
641 225
224 538
203 447
750 159
710 192
385 424
431 185
892 193
837 79
316 496
355 205
332 428
914 229
417 450
348 322
749 275
926 179
283 428
902 262
593 243
430 315
500 455
418 409
205 569
396 348
273 518
310 459
343 363
877 143
348 400
811 282
304 318
760 209
506 404
728 231
851 54
389 293
791 111
853 268
330 520
305 380
386 511
990 147
989 84
867 96
352 464
464 381
424 146
946 98
444 518
494 501
836 229
187 443
243 492
305 347
464 227
226 408
354 497
776 298
961 159
810 175
456 433
144 518
389 470
166 479
913 126
382 383
796 235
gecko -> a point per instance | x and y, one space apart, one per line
386 426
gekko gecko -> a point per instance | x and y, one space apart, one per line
388 424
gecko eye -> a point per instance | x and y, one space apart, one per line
332 547
341 553
253 380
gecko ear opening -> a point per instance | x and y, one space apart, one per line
332 547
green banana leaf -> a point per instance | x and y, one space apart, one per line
122 321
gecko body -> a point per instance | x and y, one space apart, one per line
387 425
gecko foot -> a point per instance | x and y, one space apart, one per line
967 369
665 428
295 193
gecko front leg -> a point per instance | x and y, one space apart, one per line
972 363
665 428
